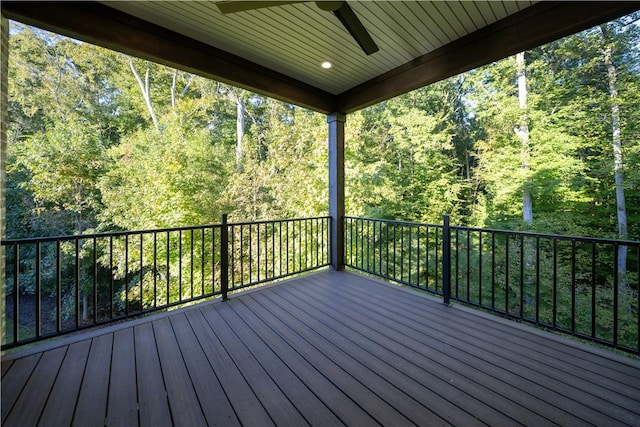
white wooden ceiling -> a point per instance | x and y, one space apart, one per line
277 51
295 39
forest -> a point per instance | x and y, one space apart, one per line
546 141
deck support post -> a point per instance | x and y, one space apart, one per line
336 188
4 96
224 257
446 260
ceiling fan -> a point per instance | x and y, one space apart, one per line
340 9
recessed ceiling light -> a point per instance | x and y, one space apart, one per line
326 65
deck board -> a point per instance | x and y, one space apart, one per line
91 408
122 405
387 383
277 404
306 402
431 387
62 399
6 366
248 407
323 376
330 348
183 401
12 387
216 407
406 348
565 389
152 395
34 396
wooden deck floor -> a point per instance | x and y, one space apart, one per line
330 348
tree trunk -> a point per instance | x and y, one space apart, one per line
173 89
617 160
522 131
240 113
146 92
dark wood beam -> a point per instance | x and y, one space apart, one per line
529 28
98 24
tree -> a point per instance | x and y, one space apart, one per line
522 131
616 141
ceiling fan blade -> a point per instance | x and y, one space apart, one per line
347 16
241 6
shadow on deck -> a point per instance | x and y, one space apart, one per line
329 348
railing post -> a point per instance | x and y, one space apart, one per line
446 260
224 257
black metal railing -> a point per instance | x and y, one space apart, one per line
581 286
57 285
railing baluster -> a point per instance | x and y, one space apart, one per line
299 244
155 270
426 259
522 278
537 278
141 274
16 292
180 265
457 272
446 260
480 268
38 286
95 280
418 256
59 287
203 257
168 269
77 281
213 259
554 294
506 275
224 257
191 262
573 285
616 273
493 271
637 300
593 289
111 278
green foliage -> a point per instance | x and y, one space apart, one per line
85 153
164 180
401 159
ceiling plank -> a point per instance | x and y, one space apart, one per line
101 25
529 28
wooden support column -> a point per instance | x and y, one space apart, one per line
4 95
336 188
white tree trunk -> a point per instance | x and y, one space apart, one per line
522 131
617 161
173 89
240 114
146 92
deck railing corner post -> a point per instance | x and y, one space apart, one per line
446 260
224 257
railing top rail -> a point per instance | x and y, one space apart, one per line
27 240
103 234
394 221
550 236
278 220
508 232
